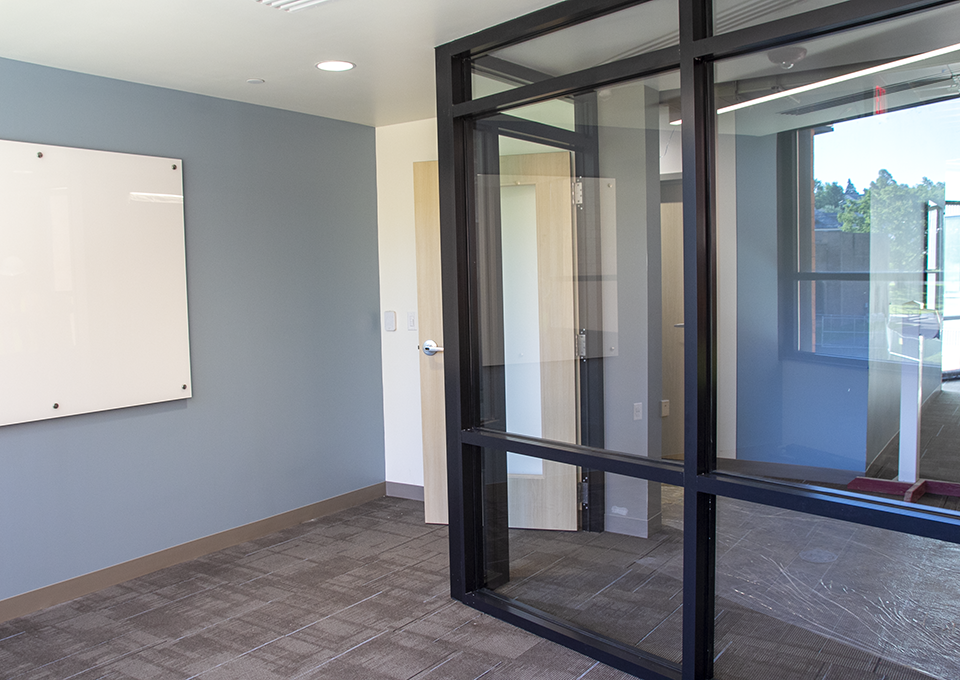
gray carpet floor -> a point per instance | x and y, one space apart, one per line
359 595
798 596
364 594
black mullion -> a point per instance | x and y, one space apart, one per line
631 68
625 464
534 24
699 266
699 518
463 466
876 512
812 24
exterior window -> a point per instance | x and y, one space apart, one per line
862 261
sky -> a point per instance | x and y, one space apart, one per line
911 144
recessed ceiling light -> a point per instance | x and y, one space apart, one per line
255 81
335 65
291 5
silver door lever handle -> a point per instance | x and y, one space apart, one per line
678 325
430 348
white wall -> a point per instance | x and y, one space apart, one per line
398 148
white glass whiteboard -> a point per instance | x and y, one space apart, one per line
93 295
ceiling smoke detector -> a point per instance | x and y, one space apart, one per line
291 5
787 57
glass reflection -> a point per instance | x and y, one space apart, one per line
729 15
643 28
579 344
624 583
843 176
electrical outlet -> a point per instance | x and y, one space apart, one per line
638 411
664 408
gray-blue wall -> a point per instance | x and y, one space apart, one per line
759 371
281 238
805 413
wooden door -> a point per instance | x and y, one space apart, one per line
427 212
542 494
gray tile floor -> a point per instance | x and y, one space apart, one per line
362 594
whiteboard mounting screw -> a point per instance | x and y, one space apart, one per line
184 387
39 154
56 406
174 166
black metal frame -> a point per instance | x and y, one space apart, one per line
703 484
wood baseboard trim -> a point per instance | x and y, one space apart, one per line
58 593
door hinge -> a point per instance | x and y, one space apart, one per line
578 193
582 344
584 492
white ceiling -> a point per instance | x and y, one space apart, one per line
212 47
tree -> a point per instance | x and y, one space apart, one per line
827 197
854 215
895 216
897 210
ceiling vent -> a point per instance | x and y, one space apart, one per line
291 5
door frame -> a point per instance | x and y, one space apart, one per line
584 144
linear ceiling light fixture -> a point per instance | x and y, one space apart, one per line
291 5
840 79
833 81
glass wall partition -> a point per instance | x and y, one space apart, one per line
800 596
729 15
843 167
576 342
625 586
605 39
700 273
